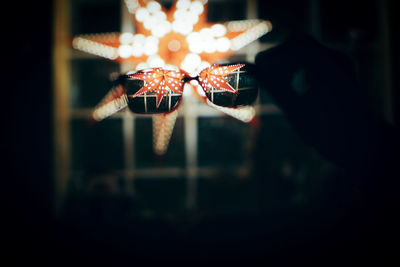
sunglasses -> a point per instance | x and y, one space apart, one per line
160 90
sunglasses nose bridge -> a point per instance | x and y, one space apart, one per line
187 78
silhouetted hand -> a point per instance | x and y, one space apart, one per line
317 89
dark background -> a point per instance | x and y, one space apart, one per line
33 234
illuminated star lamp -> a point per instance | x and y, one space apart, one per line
180 37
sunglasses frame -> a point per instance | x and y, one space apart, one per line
211 78
119 96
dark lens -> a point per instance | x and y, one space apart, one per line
243 81
146 103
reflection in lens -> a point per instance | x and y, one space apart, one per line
240 80
146 103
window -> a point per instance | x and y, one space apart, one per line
212 161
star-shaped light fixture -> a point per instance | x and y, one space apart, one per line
179 38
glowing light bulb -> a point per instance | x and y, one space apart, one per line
180 26
162 29
124 51
126 38
203 65
183 4
193 59
223 44
150 22
139 38
142 14
178 14
137 49
132 5
153 6
155 61
151 45
196 7
190 63
205 33
193 37
142 66
210 45
218 30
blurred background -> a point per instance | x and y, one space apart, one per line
223 189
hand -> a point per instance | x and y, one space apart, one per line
316 87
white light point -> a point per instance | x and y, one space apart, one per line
189 17
160 16
196 7
139 38
155 61
210 45
125 51
182 27
162 29
142 14
203 65
218 30
223 44
183 4
137 49
126 38
151 45
190 63
171 67
194 59
206 33
195 42
153 6
142 66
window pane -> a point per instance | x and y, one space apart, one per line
285 16
342 21
219 11
161 195
144 153
227 195
96 147
90 81
95 16
221 142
